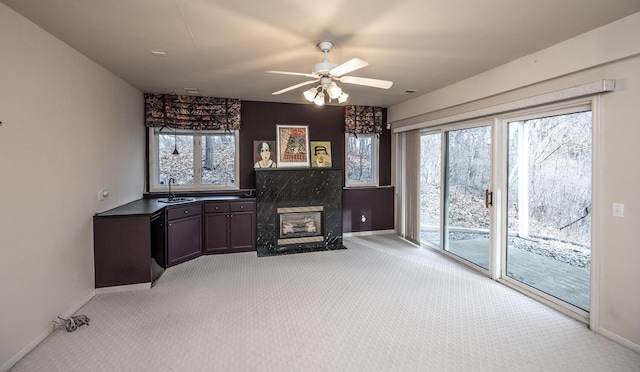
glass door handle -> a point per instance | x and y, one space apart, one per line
488 198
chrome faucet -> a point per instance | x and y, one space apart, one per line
170 195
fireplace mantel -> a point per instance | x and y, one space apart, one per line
295 188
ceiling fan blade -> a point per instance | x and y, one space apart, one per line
295 86
349 66
376 83
292 73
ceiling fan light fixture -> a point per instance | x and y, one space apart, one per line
334 90
343 97
317 94
319 100
326 72
310 94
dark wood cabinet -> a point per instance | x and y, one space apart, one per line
229 226
136 242
184 233
242 231
216 228
122 250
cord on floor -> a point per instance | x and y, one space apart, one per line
72 323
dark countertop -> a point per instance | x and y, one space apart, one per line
149 206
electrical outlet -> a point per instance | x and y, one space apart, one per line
102 194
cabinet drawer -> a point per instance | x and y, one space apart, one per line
186 211
242 206
216 207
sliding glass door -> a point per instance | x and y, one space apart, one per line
549 205
467 177
541 162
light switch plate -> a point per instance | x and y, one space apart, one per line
618 210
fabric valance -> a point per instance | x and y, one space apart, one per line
363 119
191 112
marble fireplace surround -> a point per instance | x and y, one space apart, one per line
292 188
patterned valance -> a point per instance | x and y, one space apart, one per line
363 119
191 112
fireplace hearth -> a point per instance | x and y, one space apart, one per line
298 210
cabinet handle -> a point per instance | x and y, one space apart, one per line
217 208
242 207
185 212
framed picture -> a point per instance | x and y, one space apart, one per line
320 154
264 154
293 145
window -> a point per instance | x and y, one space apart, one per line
362 160
196 160
430 187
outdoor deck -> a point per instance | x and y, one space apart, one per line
562 280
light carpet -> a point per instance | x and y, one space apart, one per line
381 305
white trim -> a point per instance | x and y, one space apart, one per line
584 90
367 233
123 288
596 225
497 242
44 334
618 339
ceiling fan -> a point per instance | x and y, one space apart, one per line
327 73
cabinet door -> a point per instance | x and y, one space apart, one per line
184 239
216 232
243 231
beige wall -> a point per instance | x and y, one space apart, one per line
611 52
69 128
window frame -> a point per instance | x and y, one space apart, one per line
153 161
375 167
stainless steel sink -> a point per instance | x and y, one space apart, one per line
175 200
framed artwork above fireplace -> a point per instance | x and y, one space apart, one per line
292 145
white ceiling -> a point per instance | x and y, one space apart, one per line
224 47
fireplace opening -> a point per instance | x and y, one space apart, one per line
300 225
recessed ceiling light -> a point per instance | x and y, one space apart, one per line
159 54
